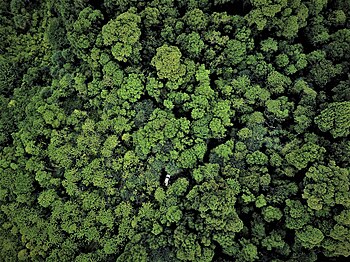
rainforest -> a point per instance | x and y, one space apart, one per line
175 130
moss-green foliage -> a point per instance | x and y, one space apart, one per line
244 103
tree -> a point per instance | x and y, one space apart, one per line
243 104
85 28
257 158
300 157
298 216
271 213
310 236
322 69
335 118
123 33
337 180
234 52
192 44
167 62
196 19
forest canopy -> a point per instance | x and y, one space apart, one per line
175 130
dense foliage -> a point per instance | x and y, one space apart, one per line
244 103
